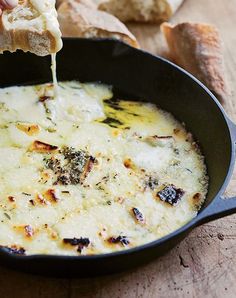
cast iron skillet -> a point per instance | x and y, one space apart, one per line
140 76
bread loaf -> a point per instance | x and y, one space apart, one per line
152 11
79 20
198 49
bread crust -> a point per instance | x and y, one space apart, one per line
41 44
198 49
150 11
28 37
89 3
79 20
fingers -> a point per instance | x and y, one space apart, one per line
8 3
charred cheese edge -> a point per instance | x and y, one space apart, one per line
85 173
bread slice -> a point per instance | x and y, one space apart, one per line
80 20
198 49
152 11
31 26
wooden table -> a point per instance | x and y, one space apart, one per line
204 264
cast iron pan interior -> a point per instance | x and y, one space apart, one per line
134 75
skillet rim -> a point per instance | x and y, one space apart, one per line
188 226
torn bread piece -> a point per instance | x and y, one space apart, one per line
198 49
79 20
31 26
151 11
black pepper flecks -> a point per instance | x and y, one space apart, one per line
112 122
26 194
53 164
14 250
151 183
71 168
80 242
114 103
138 215
120 239
171 194
32 202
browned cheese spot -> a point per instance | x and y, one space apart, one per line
44 98
42 147
29 231
29 129
128 163
41 199
11 199
52 195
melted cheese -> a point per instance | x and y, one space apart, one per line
54 74
128 162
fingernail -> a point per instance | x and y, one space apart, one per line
11 3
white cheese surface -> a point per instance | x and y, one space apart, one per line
127 163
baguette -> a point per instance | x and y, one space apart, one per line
31 26
198 49
80 20
152 11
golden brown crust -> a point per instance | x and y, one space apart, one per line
89 3
79 20
39 44
198 49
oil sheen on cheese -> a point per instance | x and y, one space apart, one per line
86 173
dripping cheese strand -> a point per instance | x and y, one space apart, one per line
54 75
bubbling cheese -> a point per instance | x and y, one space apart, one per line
85 173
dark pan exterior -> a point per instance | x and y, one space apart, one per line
139 76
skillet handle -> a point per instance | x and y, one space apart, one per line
220 207
232 127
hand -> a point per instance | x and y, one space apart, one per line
7 4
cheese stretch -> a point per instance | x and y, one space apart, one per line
87 173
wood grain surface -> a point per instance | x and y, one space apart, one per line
204 264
